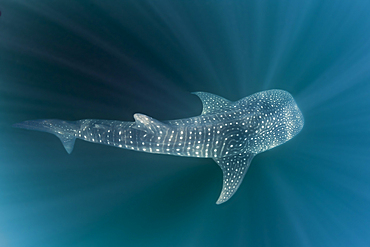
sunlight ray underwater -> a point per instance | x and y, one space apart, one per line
109 60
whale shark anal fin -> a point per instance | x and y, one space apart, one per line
234 169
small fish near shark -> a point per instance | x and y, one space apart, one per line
231 133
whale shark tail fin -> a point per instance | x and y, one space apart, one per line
234 169
64 130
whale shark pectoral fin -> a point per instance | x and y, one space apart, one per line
234 169
213 103
149 124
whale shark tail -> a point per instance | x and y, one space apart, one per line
66 131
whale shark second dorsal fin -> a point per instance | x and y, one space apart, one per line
213 103
149 124
234 169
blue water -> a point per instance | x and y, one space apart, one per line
110 59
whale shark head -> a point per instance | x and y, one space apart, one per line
273 118
247 127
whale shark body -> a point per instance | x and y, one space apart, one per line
231 133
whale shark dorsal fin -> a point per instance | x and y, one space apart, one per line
233 168
213 103
149 124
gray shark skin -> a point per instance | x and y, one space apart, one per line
231 133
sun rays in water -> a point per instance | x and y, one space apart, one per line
100 60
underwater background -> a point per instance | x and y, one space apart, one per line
74 60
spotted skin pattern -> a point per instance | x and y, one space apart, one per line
231 133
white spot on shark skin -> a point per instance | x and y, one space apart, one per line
232 133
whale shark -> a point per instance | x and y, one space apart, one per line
230 133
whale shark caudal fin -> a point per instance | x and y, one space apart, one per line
234 169
64 130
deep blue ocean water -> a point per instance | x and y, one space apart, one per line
110 59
